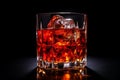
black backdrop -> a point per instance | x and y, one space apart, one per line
18 57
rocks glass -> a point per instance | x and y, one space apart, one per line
61 39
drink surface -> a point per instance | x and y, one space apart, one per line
61 45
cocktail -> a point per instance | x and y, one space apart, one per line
61 39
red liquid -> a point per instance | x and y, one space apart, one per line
61 45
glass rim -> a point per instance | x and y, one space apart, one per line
61 13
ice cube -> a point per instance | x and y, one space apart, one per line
59 22
64 23
68 23
55 21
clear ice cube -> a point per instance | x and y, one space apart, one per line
68 23
59 22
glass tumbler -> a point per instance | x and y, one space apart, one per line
61 39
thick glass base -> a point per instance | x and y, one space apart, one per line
76 64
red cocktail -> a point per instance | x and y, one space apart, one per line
61 42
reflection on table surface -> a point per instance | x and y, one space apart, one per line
62 75
91 75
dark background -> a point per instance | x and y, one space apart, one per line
18 57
